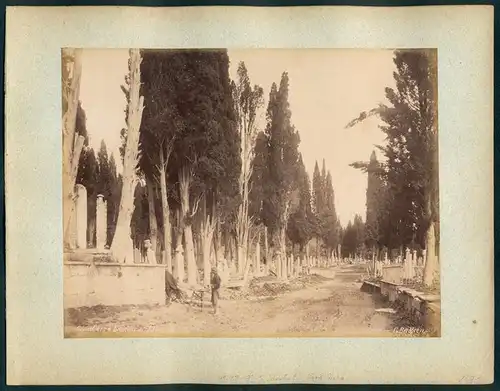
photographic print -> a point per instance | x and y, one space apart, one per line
250 193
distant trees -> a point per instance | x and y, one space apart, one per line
326 223
409 215
99 176
353 238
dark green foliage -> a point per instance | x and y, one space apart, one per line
189 113
406 191
326 224
259 175
278 149
353 238
300 225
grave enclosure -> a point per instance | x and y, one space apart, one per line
91 277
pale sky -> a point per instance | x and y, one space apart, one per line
328 88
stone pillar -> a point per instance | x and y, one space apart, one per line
284 267
179 263
81 216
413 263
72 226
150 254
101 222
407 264
257 259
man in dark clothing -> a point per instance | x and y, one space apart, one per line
215 284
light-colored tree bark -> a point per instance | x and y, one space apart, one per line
431 263
167 227
206 235
178 271
185 178
218 248
72 142
282 241
266 252
247 101
431 268
282 253
257 256
122 246
153 224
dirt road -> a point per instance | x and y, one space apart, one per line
335 307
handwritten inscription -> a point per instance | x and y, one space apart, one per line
253 378
116 329
469 380
410 331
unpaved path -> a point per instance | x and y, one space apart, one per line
335 307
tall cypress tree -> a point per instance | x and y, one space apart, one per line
300 224
410 171
283 159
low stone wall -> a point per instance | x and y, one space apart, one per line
370 287
423 309
89 284
389 290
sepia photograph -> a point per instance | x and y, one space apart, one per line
250 193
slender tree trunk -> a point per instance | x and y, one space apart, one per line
207 247
432 208
207 232
282 247
179 251
153 224
281 261
122 246
431 263
72 146
266 252
257 256
167 227
184 184
218 243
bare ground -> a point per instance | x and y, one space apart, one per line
328 303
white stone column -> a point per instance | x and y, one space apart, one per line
72 226
150 255
407 264
179 263
258 271
81 216
413 263
101 222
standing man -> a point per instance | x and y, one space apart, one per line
215 284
